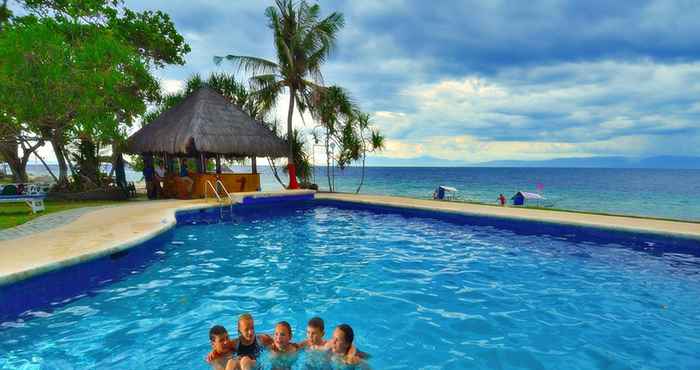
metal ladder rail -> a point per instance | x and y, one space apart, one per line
218 197
230 197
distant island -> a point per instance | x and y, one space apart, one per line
661 162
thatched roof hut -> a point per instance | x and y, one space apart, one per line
208 123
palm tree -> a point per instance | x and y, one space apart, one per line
375 141
332 106
303 42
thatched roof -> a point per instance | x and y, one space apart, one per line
207 122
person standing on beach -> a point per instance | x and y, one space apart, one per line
502 200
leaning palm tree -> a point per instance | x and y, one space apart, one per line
303 42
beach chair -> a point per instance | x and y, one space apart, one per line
30 194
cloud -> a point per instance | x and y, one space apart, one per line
594 101
490 79
172 86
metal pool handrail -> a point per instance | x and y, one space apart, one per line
213 189
230 198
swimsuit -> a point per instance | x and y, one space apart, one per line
251 351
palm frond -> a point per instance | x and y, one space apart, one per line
250 65
378 143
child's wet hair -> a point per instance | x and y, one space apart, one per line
347 331
317 322
244 317
217 330
286 325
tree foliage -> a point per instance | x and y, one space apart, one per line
77 71
303 41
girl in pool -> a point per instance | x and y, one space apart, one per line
283 353
247 346
343 350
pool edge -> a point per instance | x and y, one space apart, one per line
168 221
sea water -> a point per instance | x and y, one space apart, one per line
663 193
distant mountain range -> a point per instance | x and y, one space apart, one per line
424 161
662 162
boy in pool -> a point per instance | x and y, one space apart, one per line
343 350
220 347
315 331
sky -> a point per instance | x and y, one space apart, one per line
489 80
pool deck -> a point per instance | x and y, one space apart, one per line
108 230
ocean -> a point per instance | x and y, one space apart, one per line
663 193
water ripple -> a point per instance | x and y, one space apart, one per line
420 293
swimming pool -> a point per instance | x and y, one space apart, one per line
421 290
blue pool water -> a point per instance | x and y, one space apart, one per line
420 292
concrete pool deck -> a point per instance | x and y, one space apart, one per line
108 230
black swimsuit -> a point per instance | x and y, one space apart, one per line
251 351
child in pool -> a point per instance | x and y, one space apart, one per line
342 348
283 352
220 347
247 346
315 331
318 353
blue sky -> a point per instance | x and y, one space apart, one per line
487 80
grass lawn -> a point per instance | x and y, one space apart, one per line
13 214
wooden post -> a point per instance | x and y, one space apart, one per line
202 167
254 164
218 164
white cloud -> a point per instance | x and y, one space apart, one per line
566 109
171 86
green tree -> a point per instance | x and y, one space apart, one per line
88 66
344 127
12 139
333 108
57 82
303 41
371 140
5 14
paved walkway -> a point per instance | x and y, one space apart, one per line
44 223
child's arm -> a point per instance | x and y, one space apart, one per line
232 345
265 340
298 346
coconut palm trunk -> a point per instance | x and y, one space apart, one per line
328 162
364 157
290 130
